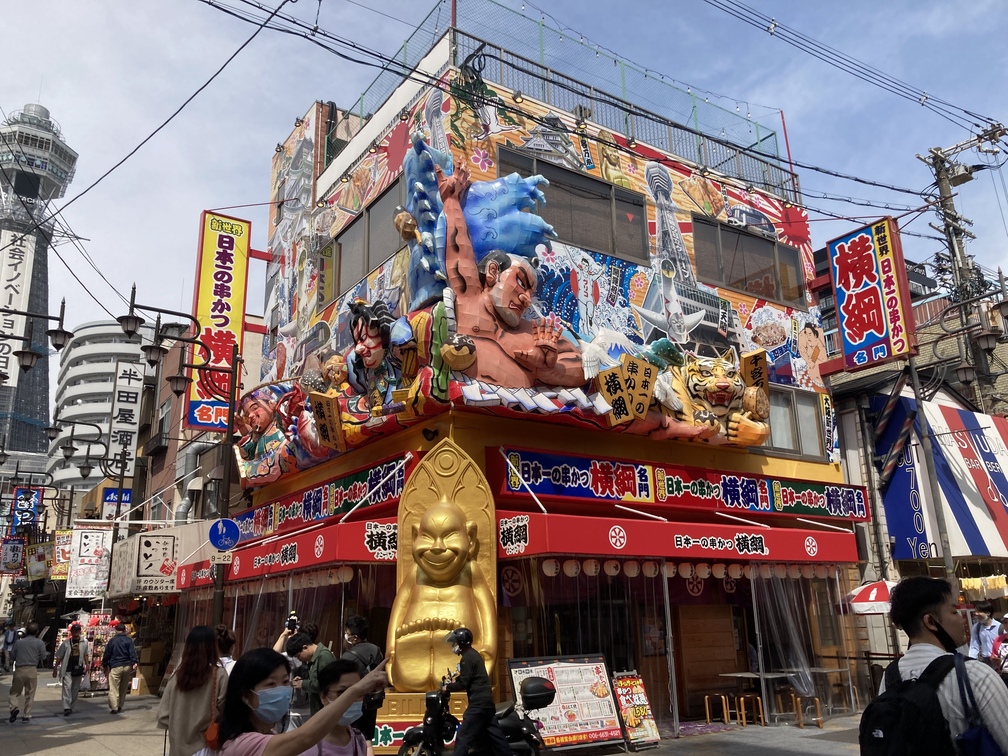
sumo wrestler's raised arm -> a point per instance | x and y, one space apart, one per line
460 257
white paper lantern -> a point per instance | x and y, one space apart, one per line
670 569
765 571
631 568
793 571
551 567
820 571
719 571
833 570
807 571
345 573
591 567
686 570
650 569
747 572
703 570
611 567
780 571
571 567
735 571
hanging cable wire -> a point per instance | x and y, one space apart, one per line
840 60
167 121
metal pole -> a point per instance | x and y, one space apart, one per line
673 687
868 439
224 503
932 472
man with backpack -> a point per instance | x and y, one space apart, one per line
920 705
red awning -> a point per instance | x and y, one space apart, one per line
523 534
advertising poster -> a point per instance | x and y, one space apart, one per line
559 477
635 709
38 558
584 710
219 306
17 254
12 555
90 559
61 555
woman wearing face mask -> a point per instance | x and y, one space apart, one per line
258 703
343 740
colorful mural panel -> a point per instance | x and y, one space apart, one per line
489 307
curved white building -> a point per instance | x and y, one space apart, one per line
84 392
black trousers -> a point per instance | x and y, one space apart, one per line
477 723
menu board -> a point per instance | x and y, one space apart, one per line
635 709
584 710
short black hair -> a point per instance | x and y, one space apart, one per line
251 669
984 606
33 629
333 671
357 625
914 597
297 642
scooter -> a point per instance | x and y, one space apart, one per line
522 731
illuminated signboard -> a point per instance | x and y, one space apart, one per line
221 282
874 316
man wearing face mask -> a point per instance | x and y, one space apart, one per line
478 720
925 609
983 634
364 655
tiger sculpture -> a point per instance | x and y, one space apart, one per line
710 392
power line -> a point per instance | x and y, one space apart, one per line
170 118
842 61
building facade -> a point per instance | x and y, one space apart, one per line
578 335
84 394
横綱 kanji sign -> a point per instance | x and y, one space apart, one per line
874 318
221 279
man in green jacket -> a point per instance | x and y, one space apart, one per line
316 656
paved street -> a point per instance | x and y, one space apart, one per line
92 731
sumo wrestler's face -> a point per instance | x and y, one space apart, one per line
368 344
512 291
259 416
441 542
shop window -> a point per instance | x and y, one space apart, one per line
747 262
585 211
795 426
383 240
368 241
350 255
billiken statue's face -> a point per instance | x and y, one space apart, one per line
511 290
443 542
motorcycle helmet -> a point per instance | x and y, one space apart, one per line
459 639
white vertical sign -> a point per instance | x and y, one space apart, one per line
90 559
17 253
125 423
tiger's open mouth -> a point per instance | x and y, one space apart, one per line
721 398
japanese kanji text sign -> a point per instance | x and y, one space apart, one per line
580 479
12 555
125 422
17 255
872 295
25 510
221 283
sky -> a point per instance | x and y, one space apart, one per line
111 71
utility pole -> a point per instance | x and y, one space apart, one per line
948 174
224 500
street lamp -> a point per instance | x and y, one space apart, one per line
179 384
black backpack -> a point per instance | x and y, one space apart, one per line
907 718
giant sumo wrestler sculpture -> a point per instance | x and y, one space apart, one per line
447 558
